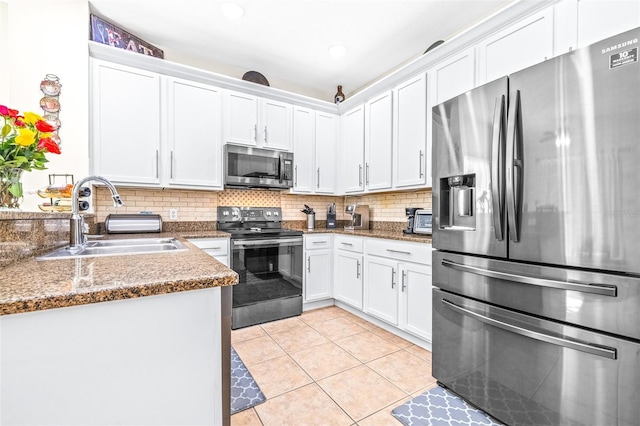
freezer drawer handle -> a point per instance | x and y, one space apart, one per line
605 290
602 351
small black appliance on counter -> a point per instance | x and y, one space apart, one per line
331 216
410 212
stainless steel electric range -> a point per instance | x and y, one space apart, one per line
269 262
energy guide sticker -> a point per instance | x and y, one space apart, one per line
623 58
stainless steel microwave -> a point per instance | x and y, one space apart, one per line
250 167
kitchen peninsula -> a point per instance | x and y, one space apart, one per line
133 339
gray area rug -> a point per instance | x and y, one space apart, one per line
245 392
439 407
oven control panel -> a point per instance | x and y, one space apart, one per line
249 214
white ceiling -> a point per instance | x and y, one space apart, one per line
288 40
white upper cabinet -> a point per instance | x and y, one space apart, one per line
315 141
125 123
452 77
526 43
378 142
195 156
352 150
254 121
409 133
600 19
241 124
303 150
274 125
327 135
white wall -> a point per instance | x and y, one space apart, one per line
39 37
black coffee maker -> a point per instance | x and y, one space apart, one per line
410 212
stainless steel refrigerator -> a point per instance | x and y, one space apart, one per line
536 203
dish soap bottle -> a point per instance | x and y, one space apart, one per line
339 97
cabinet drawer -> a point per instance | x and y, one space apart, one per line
354 244
213 246
410 252
312 242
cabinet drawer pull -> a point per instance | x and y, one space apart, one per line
399 251
318 180
393 277
358 269
404 278
319 242
346 244
360 175
266 140
309 264
420 165
295 179
171 174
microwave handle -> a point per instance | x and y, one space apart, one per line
280 167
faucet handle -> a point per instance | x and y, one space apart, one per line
85 227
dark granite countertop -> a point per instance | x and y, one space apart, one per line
32 285
373 233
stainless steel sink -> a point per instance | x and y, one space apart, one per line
120 247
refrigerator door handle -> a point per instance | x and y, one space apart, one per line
602 351
497 167
513 175
603 289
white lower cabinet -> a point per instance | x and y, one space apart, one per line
348 270
318 267
381 294
415 299
397 285
218 248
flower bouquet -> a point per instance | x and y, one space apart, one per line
24 141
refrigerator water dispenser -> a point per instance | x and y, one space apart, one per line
458 197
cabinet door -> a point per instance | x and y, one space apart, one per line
378 142
125 123
241 118
348 278
326 145
381 294
415 302
195 157
526 43
600 19
409 130
303 143
352 150
275 125
317 283
452 77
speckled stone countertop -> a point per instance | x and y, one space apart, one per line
373 233
32 285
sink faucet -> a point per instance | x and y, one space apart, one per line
76 226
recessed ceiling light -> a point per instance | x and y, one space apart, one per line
337 51
232 10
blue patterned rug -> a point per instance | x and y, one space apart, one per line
439 407
245 392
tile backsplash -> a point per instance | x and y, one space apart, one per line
201 205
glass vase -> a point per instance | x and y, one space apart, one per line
10 188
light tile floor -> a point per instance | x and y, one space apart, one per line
329 367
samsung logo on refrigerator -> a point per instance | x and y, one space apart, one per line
619 45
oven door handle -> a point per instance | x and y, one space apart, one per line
278 241
603 289
605 352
